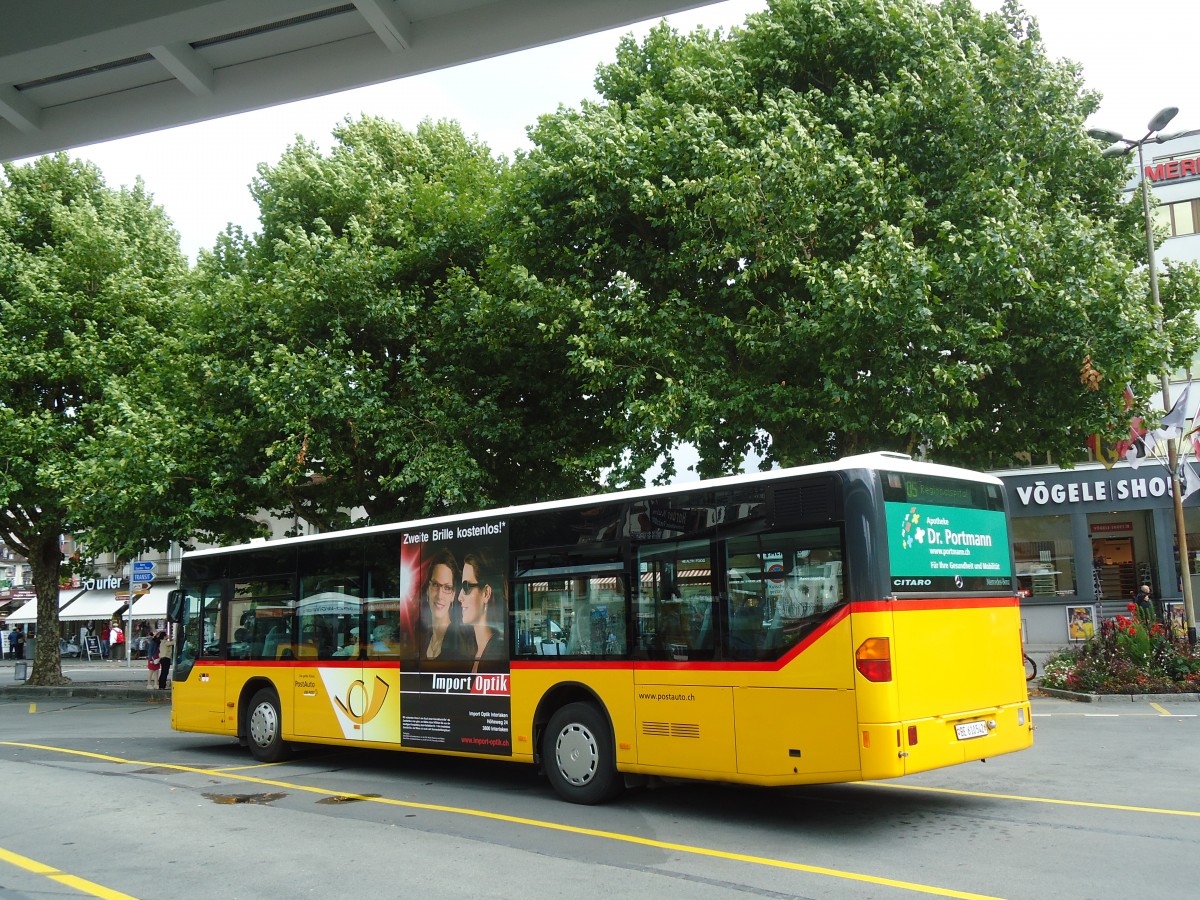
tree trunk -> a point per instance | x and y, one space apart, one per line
45 560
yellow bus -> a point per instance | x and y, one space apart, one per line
837 622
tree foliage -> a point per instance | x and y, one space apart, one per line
380 350
849 225
88 280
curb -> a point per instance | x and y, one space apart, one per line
1189 697
83 692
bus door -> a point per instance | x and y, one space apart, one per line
795 707
199 671
328 685
684 717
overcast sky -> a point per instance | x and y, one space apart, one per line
1139 55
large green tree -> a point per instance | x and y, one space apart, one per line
371 349
88 282
849 225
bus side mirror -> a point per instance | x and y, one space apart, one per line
174 606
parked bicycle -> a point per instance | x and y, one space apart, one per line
1030 666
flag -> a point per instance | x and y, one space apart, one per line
1175 422
1141 448
1141 443
1108 451
1191 481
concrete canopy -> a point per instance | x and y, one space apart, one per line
74 72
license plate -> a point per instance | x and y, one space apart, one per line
968 730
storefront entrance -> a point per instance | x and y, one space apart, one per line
1114 568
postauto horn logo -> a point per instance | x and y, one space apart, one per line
361 706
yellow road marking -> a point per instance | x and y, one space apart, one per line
533 823
73 881
1081 803
244 768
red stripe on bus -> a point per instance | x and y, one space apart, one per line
725 665
543 663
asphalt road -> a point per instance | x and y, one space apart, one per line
100 798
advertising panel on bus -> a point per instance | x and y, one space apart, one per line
458 698
945 539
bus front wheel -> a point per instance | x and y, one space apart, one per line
264 729
577 754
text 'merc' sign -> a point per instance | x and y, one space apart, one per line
1172 169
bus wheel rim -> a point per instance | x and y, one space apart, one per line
264 724
576 754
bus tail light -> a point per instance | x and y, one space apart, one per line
873 659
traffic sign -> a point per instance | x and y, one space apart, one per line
141 576
143 565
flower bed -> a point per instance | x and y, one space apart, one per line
1129 655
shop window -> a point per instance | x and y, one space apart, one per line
1045 555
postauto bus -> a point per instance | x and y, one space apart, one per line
837 622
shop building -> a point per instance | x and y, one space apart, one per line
94 601
105 595
1173 170
1087 537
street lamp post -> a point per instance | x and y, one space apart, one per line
1121 146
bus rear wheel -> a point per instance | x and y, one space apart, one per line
577 754
264 727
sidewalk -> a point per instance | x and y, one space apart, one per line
96 679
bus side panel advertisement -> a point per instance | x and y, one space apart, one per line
456 594
947 548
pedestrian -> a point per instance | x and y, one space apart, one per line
166 649
104 632
116 641
152 651
1145 604
18 643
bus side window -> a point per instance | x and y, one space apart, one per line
781 587
572 612
745 627
675 601
210 620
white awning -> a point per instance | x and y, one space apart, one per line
151 605
25 615
98 605
78 605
